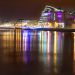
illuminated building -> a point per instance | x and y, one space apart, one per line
26 23
52 17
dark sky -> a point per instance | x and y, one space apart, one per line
29 9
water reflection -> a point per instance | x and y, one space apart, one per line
74 46
74 54
27 58
67 59
50 50
18 40
50 42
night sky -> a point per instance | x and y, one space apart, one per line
29 9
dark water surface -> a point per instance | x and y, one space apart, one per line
37 52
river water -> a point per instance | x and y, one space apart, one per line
27 52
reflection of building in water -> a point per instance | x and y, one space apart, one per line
25 34
7 44
18 39
45 42
8 40
26 58
30 40
68 52
50 42
58 42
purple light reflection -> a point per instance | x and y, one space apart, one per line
25 38
27 58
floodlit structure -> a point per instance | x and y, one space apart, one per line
7 25
52 17
26 23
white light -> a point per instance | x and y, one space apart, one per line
7 25
61 24
45 14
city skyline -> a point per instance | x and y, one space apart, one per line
30 9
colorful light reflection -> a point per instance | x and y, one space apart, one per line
26 40
48 40
55 42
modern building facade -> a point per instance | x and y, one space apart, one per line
54 17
